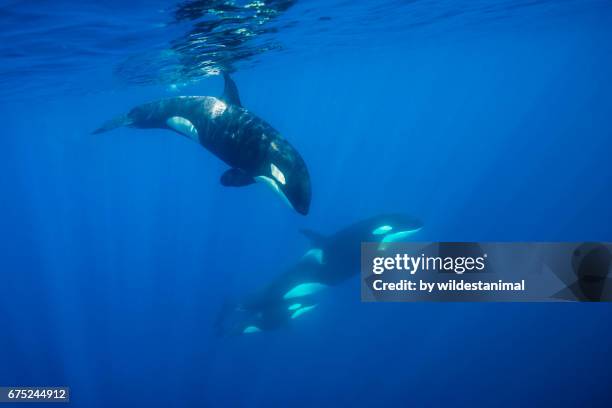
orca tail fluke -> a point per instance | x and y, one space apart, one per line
119 121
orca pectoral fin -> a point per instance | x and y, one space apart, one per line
236 178
230 91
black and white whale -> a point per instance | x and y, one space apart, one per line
253 149
330 260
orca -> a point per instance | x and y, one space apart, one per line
330 260
253 149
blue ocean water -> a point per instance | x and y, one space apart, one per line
488 120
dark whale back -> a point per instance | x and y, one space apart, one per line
253 149
232 133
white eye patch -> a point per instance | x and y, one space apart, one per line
396 237
383 229
277 174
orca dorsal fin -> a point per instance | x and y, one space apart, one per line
317 240
230 91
